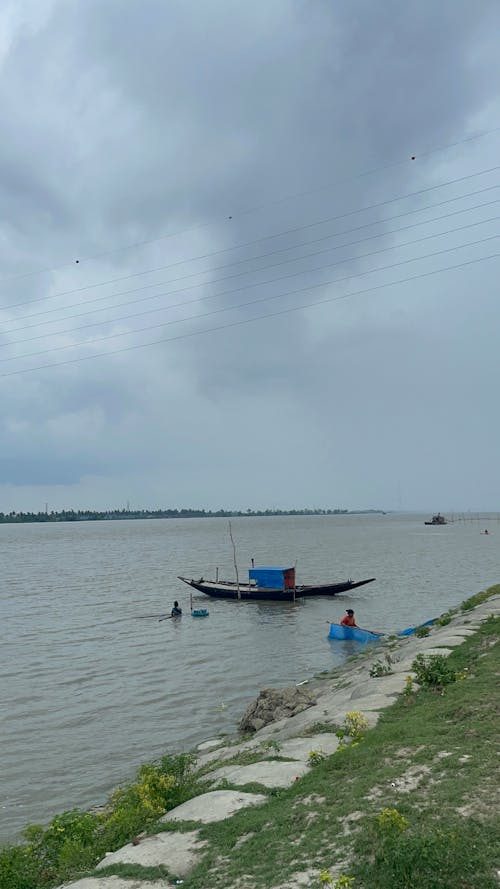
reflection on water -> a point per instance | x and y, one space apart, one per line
346 648
93 684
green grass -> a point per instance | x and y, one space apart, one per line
134 872
426 856
479 598
444 739
74 842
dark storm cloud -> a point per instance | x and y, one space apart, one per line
278 97
127 121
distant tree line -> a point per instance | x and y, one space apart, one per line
90 515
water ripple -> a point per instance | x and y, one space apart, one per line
92 684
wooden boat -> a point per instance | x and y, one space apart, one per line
270 584
437 520
339 631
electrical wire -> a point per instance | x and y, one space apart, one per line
243 321
217 220
246 286
249 271
250 302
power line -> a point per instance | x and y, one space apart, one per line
251 259
256 283
241 322
217 220
253 302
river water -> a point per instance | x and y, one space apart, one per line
92 684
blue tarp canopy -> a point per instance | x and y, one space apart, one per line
271 578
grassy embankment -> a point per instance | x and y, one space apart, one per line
414 805
410 804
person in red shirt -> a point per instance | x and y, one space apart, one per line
349 620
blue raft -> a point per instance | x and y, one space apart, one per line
410 630
337 631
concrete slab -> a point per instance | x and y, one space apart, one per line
391 684
270 774
223 753
429 651
214 806
450 639
300 748
179 852
116 883
460 629
372 702
216 756
213 742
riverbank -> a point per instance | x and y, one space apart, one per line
411 779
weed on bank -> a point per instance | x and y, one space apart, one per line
74 842
411 805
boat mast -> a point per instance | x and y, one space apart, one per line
234 559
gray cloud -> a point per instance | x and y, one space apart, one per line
122 124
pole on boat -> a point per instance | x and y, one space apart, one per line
234 559
216 575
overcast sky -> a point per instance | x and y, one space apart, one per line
170 173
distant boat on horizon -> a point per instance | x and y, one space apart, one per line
437 520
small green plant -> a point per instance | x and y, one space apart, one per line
67 845
408 689
433 671
315 757
271 745
354 727
355 724
380 669
319 728
342 881
444 620
391 820
420 632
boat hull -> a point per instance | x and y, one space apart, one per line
226 590
338 631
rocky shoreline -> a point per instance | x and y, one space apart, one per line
296 723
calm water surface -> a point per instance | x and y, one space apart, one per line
92 684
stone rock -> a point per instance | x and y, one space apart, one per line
177 851
214 806
325 743
269 774
274 704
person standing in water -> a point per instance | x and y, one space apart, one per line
176 610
